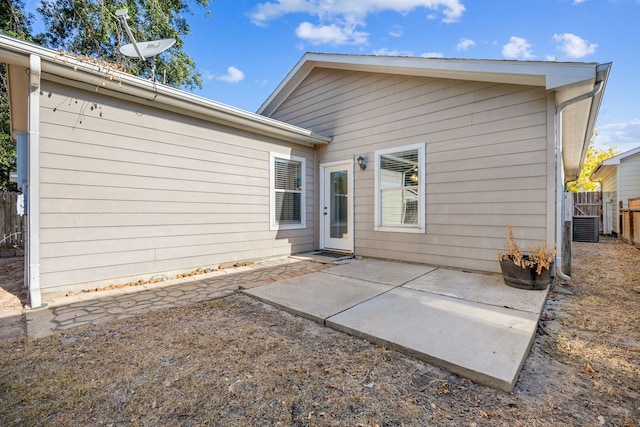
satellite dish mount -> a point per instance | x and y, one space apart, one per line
142 50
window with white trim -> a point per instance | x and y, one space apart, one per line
287 184
400 191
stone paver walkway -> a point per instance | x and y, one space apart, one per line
96 308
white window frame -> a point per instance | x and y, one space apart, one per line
420 227
273 225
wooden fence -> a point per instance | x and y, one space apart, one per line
587 204
13 225
630 222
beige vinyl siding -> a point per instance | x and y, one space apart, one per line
487 158
629 170
610 181
129 191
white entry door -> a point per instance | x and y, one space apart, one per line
336 206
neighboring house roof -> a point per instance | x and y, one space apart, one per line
606 166
567 79
67 68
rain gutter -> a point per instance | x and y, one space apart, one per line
560 206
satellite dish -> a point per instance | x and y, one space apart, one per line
147 49
142 50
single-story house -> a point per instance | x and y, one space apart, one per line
620 181
414 159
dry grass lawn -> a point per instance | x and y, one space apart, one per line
237 362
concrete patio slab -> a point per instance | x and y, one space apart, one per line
482 288
388 272
317 296
485 343
471 324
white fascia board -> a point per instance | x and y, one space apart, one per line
615 160
551 75
286 86
579 118
67 67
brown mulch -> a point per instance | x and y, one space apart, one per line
237 362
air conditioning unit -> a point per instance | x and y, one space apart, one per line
586 229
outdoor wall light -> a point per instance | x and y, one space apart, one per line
361 163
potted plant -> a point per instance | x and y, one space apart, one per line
526 271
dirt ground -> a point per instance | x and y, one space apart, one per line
13 294
237 362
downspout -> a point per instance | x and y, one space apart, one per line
560 177
33 185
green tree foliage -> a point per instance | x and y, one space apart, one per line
15 23
91 28
7 146
595 156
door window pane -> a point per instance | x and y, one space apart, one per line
339 208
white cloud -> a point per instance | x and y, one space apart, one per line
465 44
432 55
388 52
233 75
396 31
574 46
339 21
625 136
330 34
451 10
517 48
207 75
575 2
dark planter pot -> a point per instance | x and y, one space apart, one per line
525 278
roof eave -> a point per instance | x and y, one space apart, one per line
57 65
550 75
611 163
582 138
600 172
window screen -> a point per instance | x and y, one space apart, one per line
287 192
399 187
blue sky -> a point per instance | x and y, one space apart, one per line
245 48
